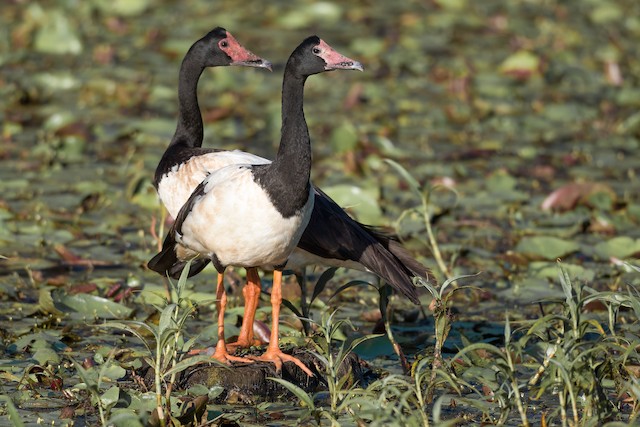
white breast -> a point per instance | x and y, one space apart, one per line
236 221
176 187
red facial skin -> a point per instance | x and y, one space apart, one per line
239 55
336 60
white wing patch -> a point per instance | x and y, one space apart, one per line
176 187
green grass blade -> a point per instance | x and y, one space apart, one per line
14 416
296 391
322 282
413 184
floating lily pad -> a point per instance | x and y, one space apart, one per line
532 290
546 247
44 355
302 16
618 247
589 193
91 306
344 138
58 35
123 7
363 201
549 270
521 64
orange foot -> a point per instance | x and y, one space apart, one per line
220 354
277 357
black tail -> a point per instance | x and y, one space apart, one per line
333 234
390 242
166 262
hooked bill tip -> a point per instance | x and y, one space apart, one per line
258 63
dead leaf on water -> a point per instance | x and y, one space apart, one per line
568 196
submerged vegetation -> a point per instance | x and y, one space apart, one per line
499 139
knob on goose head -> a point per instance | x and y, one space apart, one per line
315 56
219 48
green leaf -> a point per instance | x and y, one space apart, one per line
480 346
166 319
91 306
521 63
110 397
57 35
14 416
125 418
113 371
448 282
362 200
606 12
123 7
129 326
344 138
295 390
618 247
44 354
546 247
500 181
322 282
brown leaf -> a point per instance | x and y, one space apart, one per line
568 196
68 412
58 281
72 259
486 390
88 363
82 288
633 370
216 114
261 331
371 315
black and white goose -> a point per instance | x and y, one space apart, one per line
185 163
332 237
253 215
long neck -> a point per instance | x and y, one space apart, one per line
189 131
293 161
286 180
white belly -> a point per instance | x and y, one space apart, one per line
236 222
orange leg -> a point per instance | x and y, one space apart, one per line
251 293
221 304
273 353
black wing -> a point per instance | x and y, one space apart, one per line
333 234
167 262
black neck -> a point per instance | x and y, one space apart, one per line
187 140
189 131
286 180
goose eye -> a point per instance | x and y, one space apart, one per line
224 43
316 51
